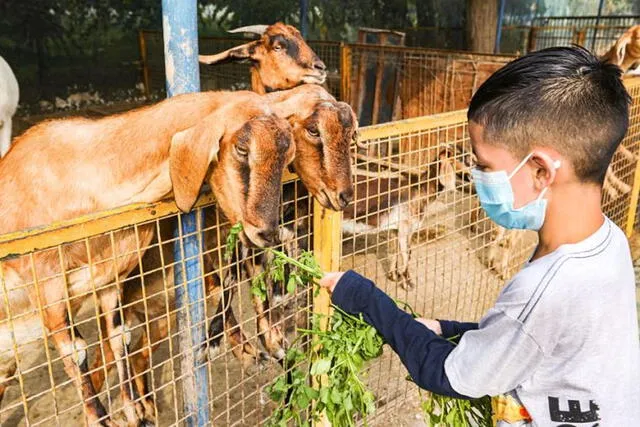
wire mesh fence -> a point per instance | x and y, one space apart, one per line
595 34
393 83
414 227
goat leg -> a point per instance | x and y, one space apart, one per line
224 321
617 182
74 356
6 377
119 335
98 370
404 249
270 335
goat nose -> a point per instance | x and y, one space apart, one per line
269 236
345 198
319 65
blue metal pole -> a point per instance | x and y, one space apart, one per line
496 48
595 30
180 28
304 9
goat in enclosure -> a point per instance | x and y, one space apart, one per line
405 204
60 169
9 97
625 52
280 58
323 131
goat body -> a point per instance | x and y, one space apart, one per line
61 169
9 97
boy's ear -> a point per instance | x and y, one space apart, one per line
546 168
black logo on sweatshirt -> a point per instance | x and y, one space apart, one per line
574 415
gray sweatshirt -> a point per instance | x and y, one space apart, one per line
561 340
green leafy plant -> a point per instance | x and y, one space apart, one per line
339 355
303 271
232 241
444 411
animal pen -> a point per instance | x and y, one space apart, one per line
458 262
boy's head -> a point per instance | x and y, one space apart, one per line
559 104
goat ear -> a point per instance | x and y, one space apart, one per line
620 47
447 172
191 152
238 53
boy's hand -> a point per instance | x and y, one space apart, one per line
434 325
330 280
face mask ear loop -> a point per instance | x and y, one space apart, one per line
556 165
542 193
520 165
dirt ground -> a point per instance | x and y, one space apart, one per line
452 282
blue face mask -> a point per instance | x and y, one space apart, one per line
496 197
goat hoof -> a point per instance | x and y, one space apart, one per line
406 284
393 276
214 351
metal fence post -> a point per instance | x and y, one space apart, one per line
533 34
180 28
345 72
327 246
142 45
633 201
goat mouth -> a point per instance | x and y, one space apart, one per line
325 200
317 78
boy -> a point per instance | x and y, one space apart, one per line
560 346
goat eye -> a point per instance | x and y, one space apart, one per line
277 47
314 133
242 151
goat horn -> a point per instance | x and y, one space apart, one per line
211 59
255 29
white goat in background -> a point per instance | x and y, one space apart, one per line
9 96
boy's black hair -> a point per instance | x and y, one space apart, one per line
562 97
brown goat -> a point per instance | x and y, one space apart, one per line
61 169
280 58
405 204
323 131
625 52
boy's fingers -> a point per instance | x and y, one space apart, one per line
330 280
432 324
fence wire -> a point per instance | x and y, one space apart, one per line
390 83
596 35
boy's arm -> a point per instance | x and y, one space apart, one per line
420 349
467 370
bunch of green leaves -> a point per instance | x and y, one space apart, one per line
303 272
343 351
232 241
339 355
450 412
292 391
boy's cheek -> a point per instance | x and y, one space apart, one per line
523 191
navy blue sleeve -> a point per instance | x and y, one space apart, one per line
451 328
421 350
